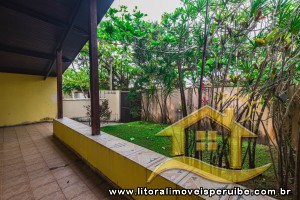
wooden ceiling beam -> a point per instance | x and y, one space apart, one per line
64 35
30 53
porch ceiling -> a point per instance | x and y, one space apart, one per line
33 30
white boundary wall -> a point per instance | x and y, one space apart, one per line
74 108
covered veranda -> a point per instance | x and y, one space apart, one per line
38 42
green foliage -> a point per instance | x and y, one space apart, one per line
76 79
131 46
104 112
295 23
256 6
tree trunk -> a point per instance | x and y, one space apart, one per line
199 154
297 168
183 105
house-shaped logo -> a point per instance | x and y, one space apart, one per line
237 132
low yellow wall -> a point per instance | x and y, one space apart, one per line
126 171
26 99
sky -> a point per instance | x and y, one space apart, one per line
154 8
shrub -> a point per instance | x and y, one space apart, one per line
105 112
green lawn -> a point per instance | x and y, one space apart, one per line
143 134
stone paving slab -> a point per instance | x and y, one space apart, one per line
35 165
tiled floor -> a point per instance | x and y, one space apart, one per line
35 165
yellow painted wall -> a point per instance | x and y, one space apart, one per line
26 98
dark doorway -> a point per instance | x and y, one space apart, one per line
126 115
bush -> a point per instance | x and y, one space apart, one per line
105 112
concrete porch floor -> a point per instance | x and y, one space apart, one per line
35 165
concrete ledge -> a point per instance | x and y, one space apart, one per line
128 165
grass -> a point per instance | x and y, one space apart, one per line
143 134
